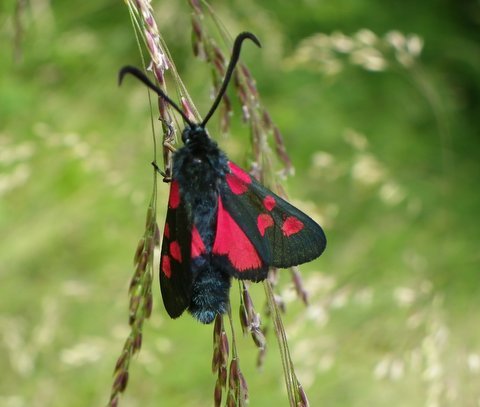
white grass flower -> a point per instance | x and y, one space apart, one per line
322 159
16 153
473 363
404 296
318 314
397 370
396 39
340 300
363 296
326 362
355 139
382 368
368 170
391 193
369 58
404 58
341 43
414 45
76 288
366 37
331 66
82 353
19 176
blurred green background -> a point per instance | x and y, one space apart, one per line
380 115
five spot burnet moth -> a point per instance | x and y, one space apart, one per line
221 222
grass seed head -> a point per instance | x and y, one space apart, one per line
148 305
121 381
301 396
138 251
217 394
137 342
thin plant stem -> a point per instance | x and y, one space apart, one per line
296 395
136 30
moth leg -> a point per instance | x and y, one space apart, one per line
166 178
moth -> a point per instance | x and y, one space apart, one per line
221 222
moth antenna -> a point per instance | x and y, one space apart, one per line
143 78
231 67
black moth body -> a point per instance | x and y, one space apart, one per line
199 167
221 222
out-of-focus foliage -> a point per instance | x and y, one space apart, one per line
386 158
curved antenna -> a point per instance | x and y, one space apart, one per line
231 66
143 78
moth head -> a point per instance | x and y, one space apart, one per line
193 132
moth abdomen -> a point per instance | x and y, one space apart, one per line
210 291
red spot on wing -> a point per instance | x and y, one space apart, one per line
231 241
236 185
174 199
197 247
175 251
238 180
165 267
242 174
166 231
292 225
269 202
264 221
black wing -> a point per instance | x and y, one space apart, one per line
175 274
283 235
